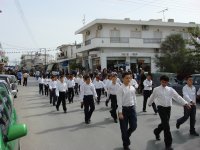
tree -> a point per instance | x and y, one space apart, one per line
174 56
194 49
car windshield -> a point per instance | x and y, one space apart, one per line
3 78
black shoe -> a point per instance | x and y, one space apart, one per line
106 103
87 122
156 135
65 111
144 111
126 148
115 120
177 125
194 133
57 108
169 148
81 105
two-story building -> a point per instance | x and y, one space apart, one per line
127 44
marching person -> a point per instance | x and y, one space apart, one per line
107 84
88 93
52 88
126 100
61 88
41 84
46 85
147 93
163 96
70 85
99 85
76 80
133 81
112 94
189 94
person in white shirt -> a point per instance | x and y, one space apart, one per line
41 84
189 94
163 96
112 94
52 88
88 93
46 86
133 81
61 88
99 85
147 93
76 80
107 84
70 85
126 100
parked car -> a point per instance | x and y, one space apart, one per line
10 130
11 81
156 78
178 86
4 85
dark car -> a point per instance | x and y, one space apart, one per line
156 78
11 81
178 86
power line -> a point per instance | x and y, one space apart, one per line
17 3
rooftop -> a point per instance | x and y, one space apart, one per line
127 21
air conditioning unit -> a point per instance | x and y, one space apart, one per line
145 27
87 32
156 50
99 27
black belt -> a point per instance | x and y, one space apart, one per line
128 106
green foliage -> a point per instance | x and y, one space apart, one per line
174 56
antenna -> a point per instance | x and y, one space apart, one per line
163 11
83 20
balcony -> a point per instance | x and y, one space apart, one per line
124 42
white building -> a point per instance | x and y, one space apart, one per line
127 44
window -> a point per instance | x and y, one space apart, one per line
4 118
136 34
158 35
115 36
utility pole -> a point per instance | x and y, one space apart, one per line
163 12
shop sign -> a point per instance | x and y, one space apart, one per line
129 54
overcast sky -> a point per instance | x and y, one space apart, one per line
49 23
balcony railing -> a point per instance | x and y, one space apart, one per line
88 42
152 40
119 39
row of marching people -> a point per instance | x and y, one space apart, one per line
123 101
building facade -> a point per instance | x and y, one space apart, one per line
127 44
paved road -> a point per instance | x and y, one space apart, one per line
52 130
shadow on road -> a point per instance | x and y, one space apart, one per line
79 126
155 145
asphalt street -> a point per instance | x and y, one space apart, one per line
49 129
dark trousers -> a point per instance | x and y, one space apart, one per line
41 90
147 94
46 90
76 88
164 113
130 119
61 98
189 113
19 81
98 95
25 82
114 106
89 106
70 94
53 96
